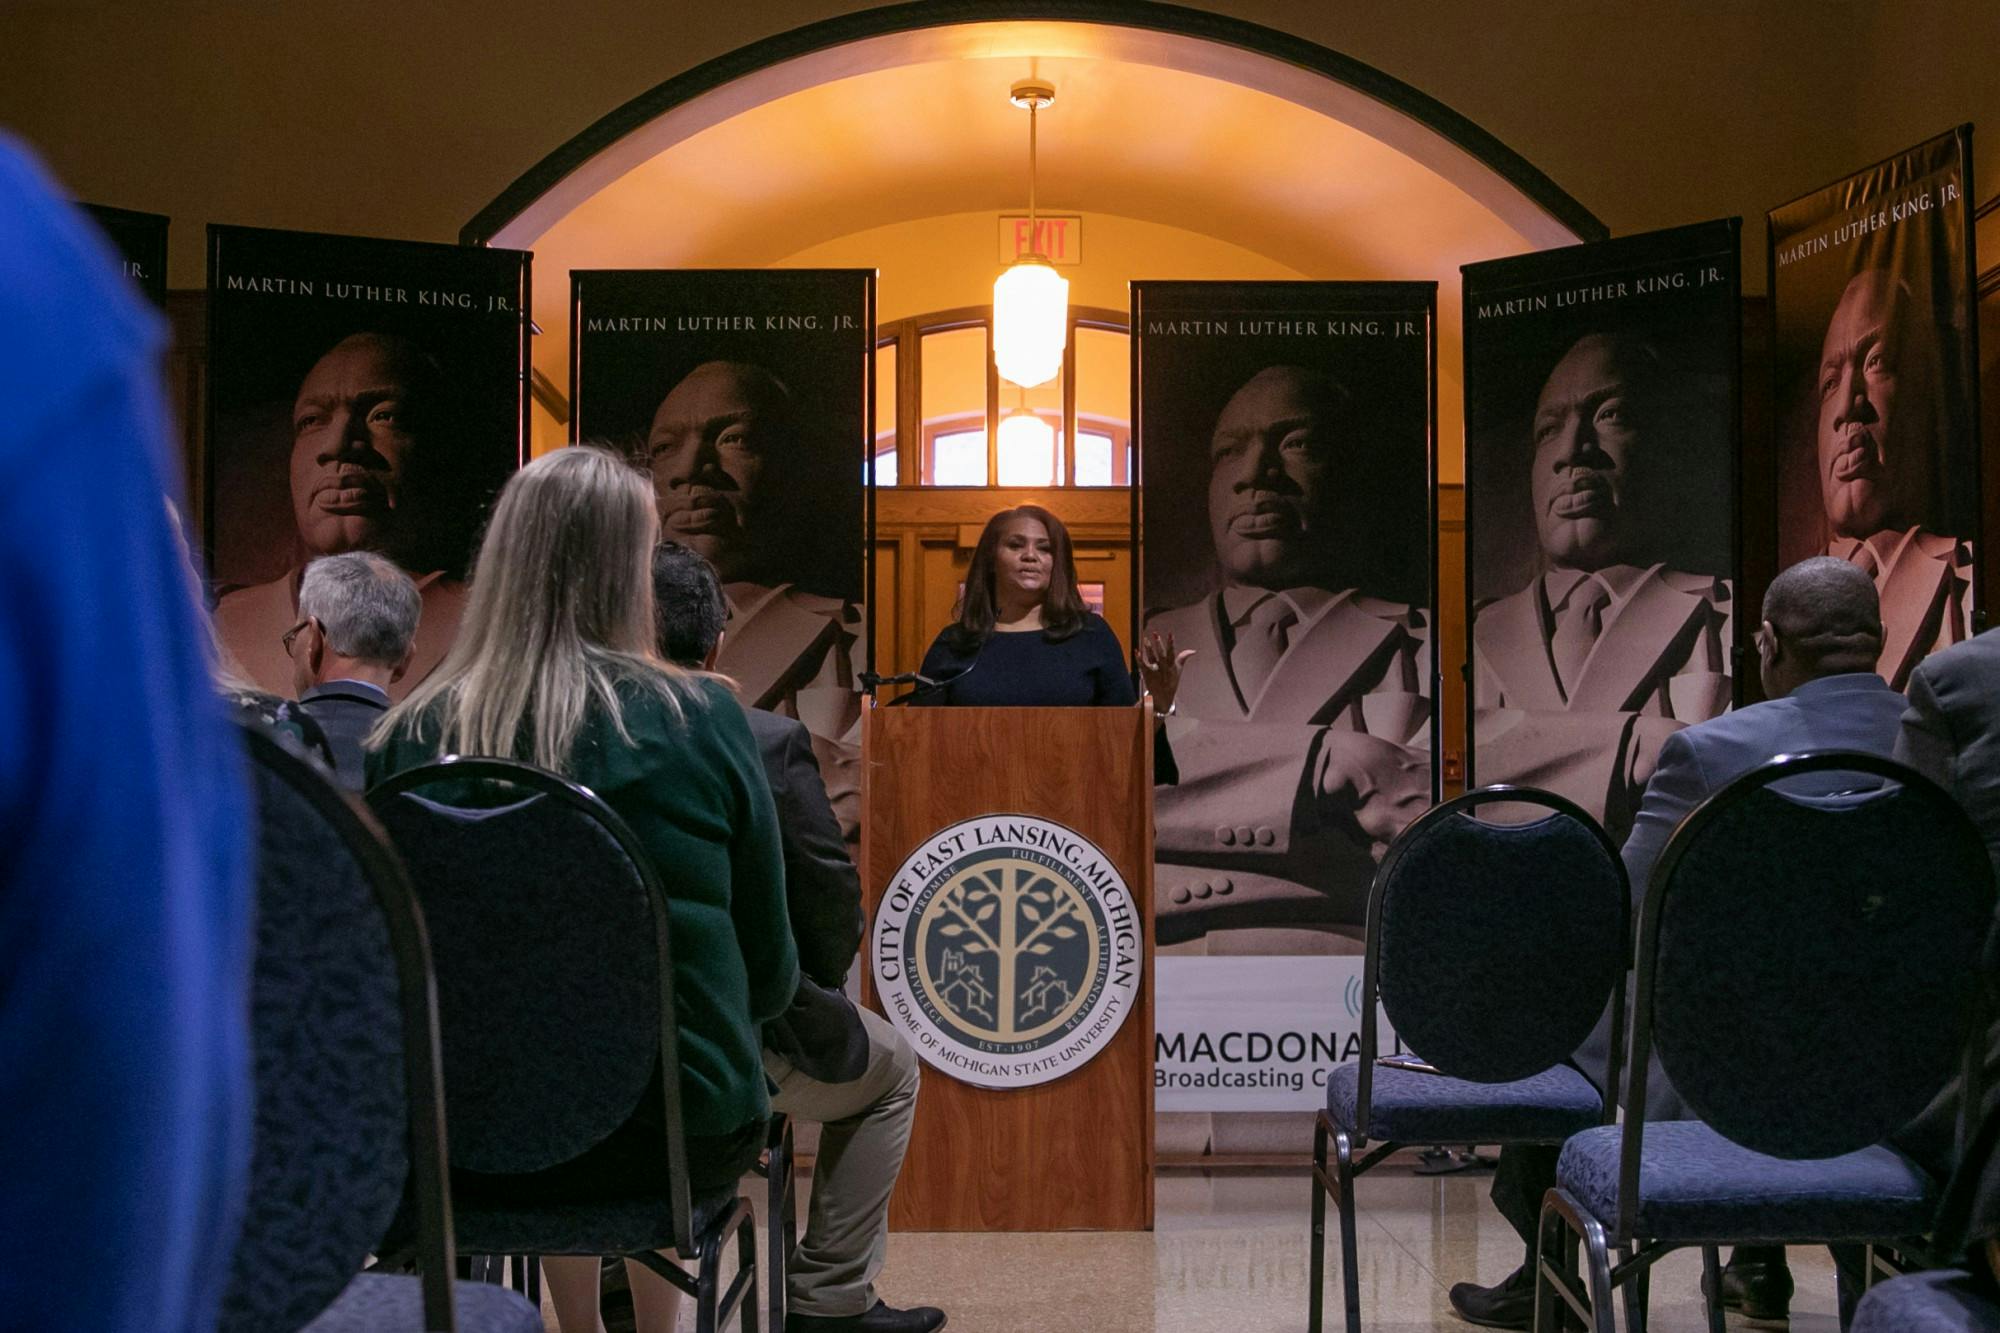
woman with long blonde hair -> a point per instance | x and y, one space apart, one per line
555 664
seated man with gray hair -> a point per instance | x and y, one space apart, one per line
357 629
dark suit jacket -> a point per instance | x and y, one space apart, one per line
346 710
820 1033
1951 734
1848 712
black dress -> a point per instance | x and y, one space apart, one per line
1026 669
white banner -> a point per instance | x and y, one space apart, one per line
1255 1033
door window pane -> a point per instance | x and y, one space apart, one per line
1094 451
883 462
958 458
1103 407
952 366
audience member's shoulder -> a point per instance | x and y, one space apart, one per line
58 278
1978 658
767 727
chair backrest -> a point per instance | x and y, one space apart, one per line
348 1088
1493 947
548 929
1808 963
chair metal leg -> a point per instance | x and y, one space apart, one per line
1637 1292
781 1215
1711 1286
1350 1269
1597 1254
1316 1288
746 1274
1555 1269
707 1278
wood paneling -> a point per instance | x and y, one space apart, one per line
1074 1154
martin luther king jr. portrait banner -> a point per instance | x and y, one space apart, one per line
362 395
745 393
1601 396
1874 367
1286 439
1285 445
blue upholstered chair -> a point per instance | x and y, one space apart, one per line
548 924
1807 977
1494 948
1940 1301
349 1102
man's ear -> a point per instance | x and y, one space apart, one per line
409 655
314 635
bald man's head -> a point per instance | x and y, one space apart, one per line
1822 617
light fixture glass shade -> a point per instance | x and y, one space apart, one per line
1027 449
1030 322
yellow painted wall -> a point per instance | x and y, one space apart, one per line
938 263
384 117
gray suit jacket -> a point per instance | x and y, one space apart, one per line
1951 734
346 710
1848 712
820 1033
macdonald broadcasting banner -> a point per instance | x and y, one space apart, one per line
1601 425
362 395
141 242
746 393
1874 366
1286 438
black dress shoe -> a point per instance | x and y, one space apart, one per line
881 1319
1758 1289
1509 1305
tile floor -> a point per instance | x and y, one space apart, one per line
1229 1252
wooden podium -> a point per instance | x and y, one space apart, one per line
1074 1153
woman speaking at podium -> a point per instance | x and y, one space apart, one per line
1024 638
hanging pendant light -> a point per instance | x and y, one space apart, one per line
1030 299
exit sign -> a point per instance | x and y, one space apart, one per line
1058 236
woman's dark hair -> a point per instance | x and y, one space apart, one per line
1063 612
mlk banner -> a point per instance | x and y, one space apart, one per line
746 394
141 242
1286 439
1875 371
362 395
1601 397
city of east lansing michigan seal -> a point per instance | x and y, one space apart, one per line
1008 950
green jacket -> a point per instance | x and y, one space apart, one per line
694 792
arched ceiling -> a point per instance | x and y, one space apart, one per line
1261 154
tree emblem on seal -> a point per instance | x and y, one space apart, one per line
1009 949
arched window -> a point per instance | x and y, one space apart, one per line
942 412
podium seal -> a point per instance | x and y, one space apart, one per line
1008 950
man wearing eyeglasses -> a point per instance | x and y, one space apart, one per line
354 640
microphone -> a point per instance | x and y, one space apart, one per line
926 685
872 681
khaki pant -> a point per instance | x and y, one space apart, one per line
865 1126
